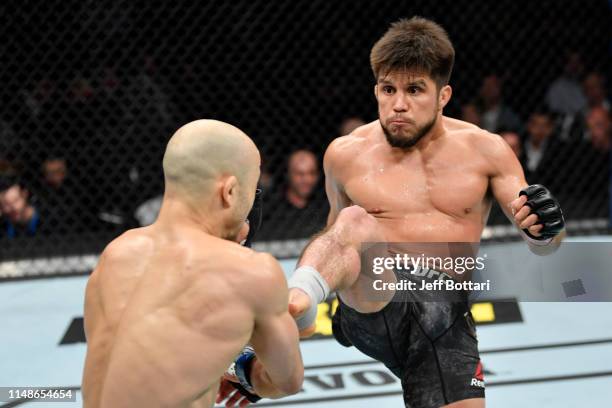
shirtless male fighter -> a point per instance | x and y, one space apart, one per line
422 178
171 305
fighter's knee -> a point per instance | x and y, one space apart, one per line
358 224
353 215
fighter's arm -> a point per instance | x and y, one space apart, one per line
507 181
332 161
278 369
91 304
92 308
92 314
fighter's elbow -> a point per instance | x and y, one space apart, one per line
293 383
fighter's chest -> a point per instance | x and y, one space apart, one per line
450 186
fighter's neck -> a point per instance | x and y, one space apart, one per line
177 214
437 131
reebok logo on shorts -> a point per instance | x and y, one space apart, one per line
478 380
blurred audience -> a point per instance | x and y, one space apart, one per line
299 209
599 129
54 172
349 124
584 179
573 126
594 86
514 141
565 95
64 206
302 175
147 212
266 176
542 150
86 134
470 112
496 114
19 217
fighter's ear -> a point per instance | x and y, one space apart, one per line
229 191
444 96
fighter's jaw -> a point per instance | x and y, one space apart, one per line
403 132
402 142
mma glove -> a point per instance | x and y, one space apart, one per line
546 207
241 368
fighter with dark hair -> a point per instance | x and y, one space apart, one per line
421 178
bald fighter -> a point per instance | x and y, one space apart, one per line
417 177
170 306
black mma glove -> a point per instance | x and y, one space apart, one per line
547 208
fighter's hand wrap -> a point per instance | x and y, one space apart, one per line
547 208
241 368
310 281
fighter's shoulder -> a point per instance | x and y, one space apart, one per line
273 293
266 269
347 146
260 266
453 124
262 278
130 245
475 138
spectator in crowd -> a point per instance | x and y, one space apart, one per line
266 178
514 141
64 207
496 114
599 129
20 217
565 95
594 86
349 124
54 172
303 176
470 112
541 148
573 127
299 210
589 160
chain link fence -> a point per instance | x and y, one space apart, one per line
92 90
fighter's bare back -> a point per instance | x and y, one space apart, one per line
167 311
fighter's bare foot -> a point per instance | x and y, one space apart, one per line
299 303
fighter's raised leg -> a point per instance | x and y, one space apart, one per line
332 262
